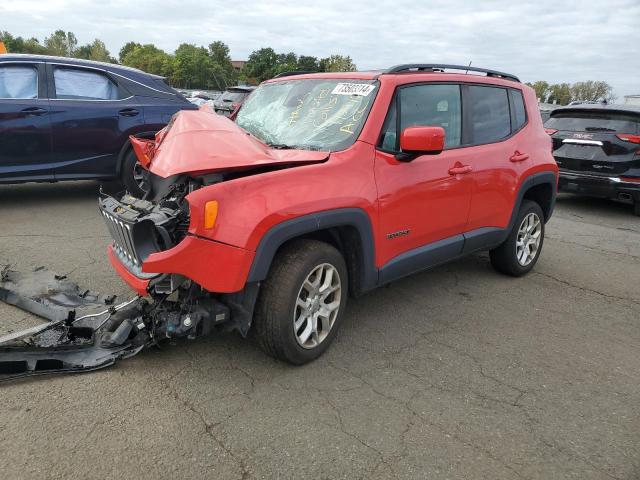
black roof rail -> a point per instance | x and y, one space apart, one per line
292 73
434 67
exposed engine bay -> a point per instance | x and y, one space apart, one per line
87 330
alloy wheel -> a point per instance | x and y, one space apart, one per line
317 306
528 239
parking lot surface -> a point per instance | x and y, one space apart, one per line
454 373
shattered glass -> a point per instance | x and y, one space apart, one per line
307 114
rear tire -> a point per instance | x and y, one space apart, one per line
636 208
134 177
302 302
518 254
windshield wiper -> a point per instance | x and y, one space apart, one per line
284 146
599 129
281 146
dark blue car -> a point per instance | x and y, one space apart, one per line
69 119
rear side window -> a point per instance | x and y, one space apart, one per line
518 112
18 81
78 84
489 117
586 121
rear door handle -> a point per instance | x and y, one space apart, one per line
460 170
128 112
519 157
35 111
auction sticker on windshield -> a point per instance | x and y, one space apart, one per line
360 89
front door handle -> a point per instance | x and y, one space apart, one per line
34 111
460 169
519 157
128 112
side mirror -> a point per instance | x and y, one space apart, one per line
420 141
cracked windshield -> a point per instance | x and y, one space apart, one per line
308 114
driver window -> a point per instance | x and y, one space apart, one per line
433 105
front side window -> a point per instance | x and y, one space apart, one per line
433 106
490 120
18 81
79 84
309 114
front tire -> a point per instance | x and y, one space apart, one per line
518 254
302 302
134 177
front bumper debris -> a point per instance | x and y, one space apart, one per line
87 331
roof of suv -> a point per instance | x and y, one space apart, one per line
73 61
405 69
612 107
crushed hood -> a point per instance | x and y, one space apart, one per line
199 141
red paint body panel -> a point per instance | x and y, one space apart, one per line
202 141
420 196
425 196
215 266
137 284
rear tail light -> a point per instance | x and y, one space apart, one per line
630 179
628 137
550 131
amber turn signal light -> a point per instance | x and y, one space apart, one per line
210 213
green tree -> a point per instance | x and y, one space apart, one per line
594 91
560 93
21 45
61 43
94 51
150 59
337 63
260 64
308 64
542 89
128 47
224 72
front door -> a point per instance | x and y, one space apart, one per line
424 203
25 129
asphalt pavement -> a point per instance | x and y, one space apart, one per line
458 372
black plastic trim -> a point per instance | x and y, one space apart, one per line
430 67
422 258
451 248
280 233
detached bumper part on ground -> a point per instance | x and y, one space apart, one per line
88 331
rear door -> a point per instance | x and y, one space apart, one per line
25 129
91 115
597 142
499 158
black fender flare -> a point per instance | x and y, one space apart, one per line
532 181
277 235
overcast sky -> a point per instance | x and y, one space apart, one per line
553 40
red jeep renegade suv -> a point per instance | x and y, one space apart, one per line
329 185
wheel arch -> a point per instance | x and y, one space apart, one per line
347 229
542 189
126 148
